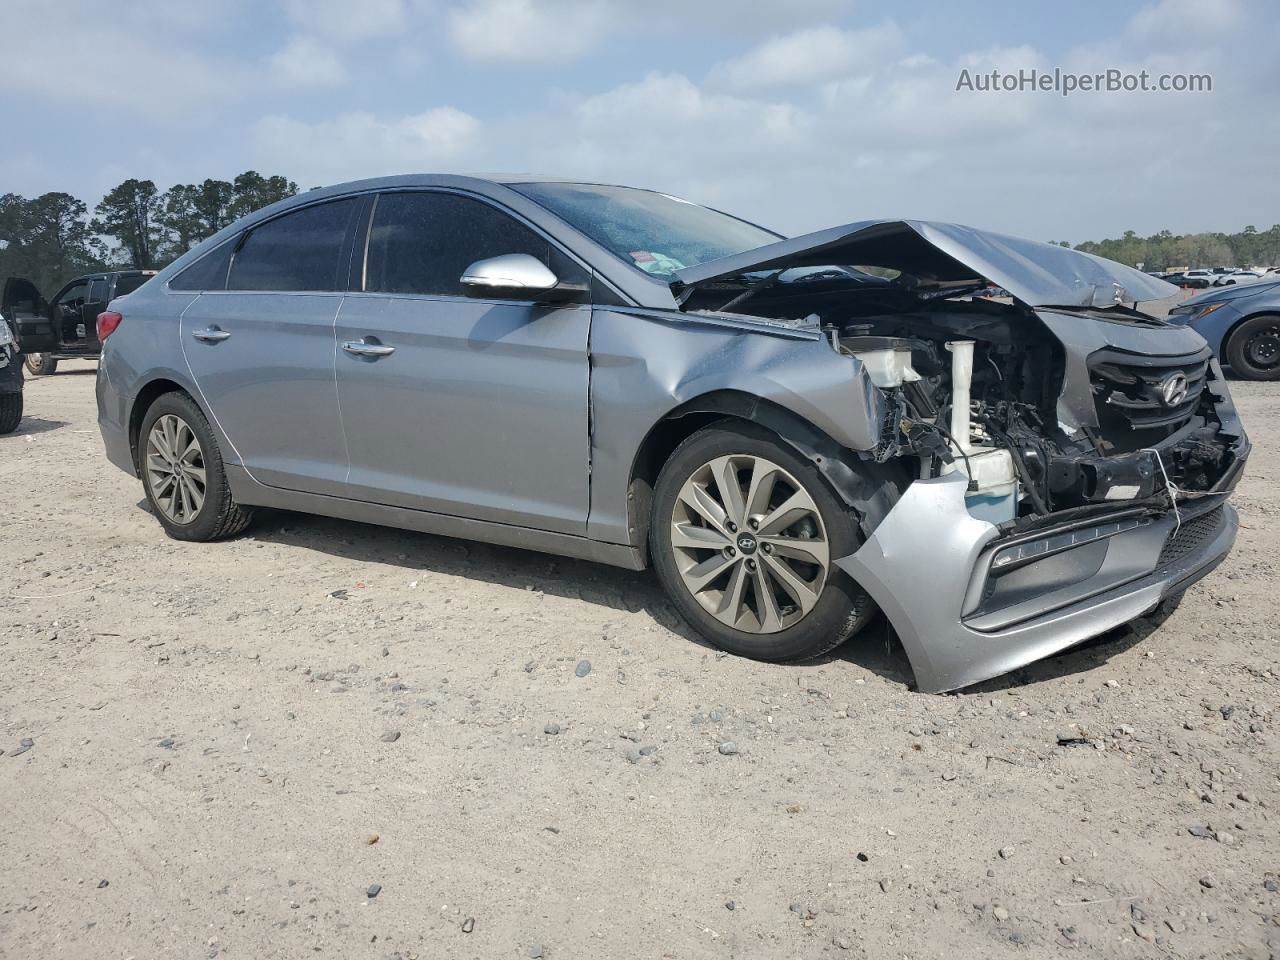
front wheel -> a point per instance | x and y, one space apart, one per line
10 412
1253 349
744 535
41 364
182 473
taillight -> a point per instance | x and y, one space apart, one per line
107 323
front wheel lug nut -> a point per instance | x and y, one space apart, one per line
733 527
751 564
767 548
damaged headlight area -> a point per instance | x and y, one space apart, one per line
968 393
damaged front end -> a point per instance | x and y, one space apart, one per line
1072 456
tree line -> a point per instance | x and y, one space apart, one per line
53 237
1250 247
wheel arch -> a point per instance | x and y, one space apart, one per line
867 488
152 391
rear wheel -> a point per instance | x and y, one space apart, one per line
1253 349
41 364
182 473
744 536
10 411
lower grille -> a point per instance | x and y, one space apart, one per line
1191 536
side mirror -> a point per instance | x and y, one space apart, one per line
519 276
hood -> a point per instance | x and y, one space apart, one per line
1233 292
1037 274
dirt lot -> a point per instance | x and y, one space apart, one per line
235 746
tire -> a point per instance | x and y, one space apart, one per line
725 599
1253 348
41 364
186 510
10 412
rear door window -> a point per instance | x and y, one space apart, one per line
422 242
302 250
207 273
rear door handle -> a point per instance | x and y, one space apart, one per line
211 335
363 348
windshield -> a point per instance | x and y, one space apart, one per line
651 231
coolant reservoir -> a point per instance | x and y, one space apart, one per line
887 359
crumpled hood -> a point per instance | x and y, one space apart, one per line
1038 274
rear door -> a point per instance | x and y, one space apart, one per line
261 351
28 313
475 408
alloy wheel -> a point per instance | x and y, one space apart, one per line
175 469
749 543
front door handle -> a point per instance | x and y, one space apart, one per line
364 348
211 335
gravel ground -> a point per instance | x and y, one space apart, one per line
329 739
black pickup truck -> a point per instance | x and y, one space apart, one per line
66 326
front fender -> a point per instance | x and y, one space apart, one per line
645 368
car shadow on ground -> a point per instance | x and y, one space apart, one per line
876 648
612 587
30 425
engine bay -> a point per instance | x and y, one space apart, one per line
979 385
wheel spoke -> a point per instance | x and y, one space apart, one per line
197 476
700 575
697 499
795 507
800 548
195 497
766 602
797 589
160 483
689 537
729 610
764 477
725 472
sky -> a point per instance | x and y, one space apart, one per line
797 115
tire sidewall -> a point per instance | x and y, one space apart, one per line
207 521
842 608
1240 365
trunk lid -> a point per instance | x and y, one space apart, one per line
1037 274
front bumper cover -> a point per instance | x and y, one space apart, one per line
929 566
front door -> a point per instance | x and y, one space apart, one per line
262 351
28 313
471 408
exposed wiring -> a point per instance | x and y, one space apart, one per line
1173 491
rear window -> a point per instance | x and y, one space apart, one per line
207 273
298 251
129 284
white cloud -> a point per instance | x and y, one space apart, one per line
529 31
357 145
305 63
349 19
809 56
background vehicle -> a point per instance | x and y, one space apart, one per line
624 376
1242 325
10 380
1239 276
1198 278
64 328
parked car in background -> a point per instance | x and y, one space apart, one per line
623 376
10 380
1239 276
1198 279
1241 324
64 328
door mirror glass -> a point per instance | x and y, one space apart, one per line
518 276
